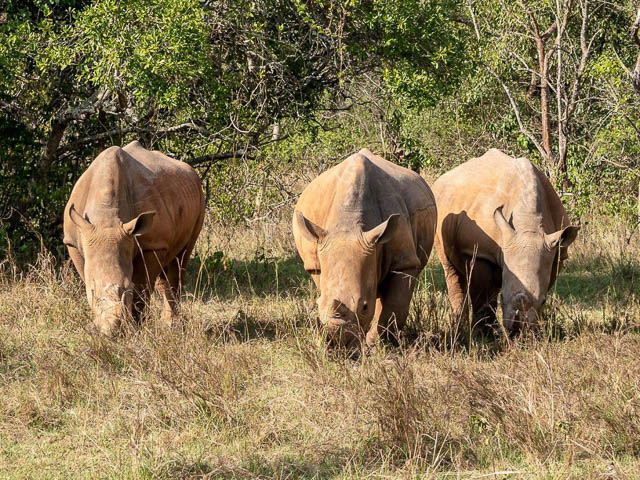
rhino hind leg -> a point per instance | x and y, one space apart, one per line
169 284
457 290
392 308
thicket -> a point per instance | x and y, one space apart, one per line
260 95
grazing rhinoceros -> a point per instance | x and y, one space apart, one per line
131 222
364 230
501 216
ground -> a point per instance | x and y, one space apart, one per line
244 387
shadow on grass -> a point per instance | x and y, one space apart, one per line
217 276
243 328
588 283
584 282
255 466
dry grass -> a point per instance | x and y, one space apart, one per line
244 388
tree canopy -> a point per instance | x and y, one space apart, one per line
251 91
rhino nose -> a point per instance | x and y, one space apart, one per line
337 313
336 305
338 309
521 302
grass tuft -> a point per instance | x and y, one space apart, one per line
245 387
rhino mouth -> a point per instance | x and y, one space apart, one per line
110 313
339 331
517 321
335 322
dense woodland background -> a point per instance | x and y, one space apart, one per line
260 95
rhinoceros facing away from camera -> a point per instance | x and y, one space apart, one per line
364 230
501 227
131 222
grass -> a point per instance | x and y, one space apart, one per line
245 388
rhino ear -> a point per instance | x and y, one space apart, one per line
77 219
505 227
564 237
383 232
310 230
139 225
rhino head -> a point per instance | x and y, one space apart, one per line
529 258
108 252
348 278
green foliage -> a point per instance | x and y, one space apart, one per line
206 82
202 81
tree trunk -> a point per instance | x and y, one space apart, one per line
635 78
544 102
50 151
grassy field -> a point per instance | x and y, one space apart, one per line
244 387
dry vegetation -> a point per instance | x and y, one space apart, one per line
244 387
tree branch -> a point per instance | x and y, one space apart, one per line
124 131
516 111
634 29
635 78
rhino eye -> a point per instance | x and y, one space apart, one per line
364 306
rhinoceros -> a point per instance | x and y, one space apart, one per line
131 223
364 230
501 228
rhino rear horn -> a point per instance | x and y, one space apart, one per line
383 232
310 230
139 225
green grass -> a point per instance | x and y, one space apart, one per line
244 387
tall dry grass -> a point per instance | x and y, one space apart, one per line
244 387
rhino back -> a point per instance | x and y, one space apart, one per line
363 191
121 183
468 195
365 188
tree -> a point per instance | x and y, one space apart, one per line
205 81
545 50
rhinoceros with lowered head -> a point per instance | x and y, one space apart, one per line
364 230
501 229
131 224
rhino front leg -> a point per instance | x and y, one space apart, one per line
77 259
168 284
483 290
146 268
392 307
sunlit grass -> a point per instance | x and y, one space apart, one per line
244 387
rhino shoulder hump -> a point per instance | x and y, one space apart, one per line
495 154
357 161
134 144
112 156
